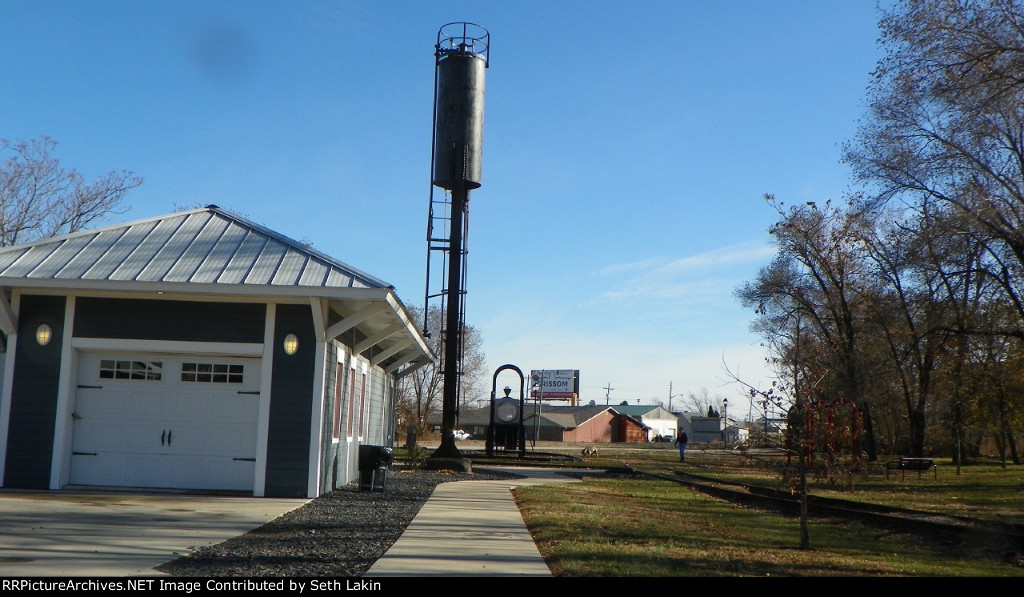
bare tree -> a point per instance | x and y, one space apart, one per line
40 198
911 296
703 402
812 293
943 137
912 305
420 393
945 118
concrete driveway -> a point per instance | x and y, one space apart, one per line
70 533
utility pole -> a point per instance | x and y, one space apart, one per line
671 396
607 393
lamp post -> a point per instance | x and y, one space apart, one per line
538 402
766 403
725 423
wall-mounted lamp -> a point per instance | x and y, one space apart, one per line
291 344
43 334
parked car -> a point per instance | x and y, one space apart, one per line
460 434
664 438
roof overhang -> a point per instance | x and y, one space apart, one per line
388 337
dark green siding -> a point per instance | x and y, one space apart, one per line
34 394
169 320
291 404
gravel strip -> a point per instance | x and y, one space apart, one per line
340 534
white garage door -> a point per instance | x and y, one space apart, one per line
167 421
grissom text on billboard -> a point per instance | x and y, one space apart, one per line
554 384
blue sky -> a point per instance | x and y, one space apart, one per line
627 149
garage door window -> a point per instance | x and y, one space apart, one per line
211 373
143 370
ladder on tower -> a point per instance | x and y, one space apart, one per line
438 259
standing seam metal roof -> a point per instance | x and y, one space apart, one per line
206 246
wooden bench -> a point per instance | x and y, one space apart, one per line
904 464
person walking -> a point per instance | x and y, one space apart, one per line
681 440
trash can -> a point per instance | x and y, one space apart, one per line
410 437
373 467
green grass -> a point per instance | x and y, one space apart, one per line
644 526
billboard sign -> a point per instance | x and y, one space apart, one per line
554 384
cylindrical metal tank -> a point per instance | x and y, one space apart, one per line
459 113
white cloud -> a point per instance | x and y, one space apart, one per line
744 253
642 265
706 277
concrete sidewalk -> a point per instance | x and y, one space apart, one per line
472 528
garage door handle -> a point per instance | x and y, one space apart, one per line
83 453
168 437
244 459
163 437
81 387
241 392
